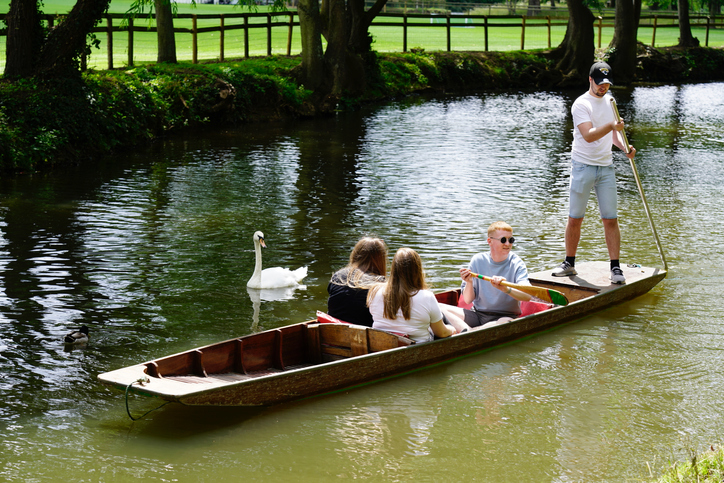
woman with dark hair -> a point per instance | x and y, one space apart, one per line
404 304
349 286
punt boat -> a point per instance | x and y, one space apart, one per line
324 355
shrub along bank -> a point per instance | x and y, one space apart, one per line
45 123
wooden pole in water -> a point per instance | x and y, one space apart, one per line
624 140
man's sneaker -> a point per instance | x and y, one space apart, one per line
565 269
617 275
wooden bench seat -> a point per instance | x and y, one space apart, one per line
329 342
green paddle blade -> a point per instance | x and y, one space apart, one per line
557 297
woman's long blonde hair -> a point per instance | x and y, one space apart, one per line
406 279
367 263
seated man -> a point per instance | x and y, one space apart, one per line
493 303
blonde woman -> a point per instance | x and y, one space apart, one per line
349 286
404 304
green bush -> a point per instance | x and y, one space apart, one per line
44 123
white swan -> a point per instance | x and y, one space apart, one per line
274 277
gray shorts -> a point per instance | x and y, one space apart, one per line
585 177
475 318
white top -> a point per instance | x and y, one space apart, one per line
424 310
597 111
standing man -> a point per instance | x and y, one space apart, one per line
594 131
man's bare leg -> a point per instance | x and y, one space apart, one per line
455 315
613 237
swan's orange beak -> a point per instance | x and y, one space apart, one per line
261 242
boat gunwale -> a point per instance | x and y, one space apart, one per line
549 319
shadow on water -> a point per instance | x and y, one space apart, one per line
175 421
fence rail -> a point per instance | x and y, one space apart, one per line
252 33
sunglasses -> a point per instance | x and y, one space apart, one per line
504 240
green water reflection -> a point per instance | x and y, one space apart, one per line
153 252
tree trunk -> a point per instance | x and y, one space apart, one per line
575 53
340 69
65 43
686 39
533 8
622 57
24 38
714 7
310 25
164 32
336 32
360 40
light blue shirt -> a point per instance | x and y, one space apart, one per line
488 298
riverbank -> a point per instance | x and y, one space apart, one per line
45 125
706 467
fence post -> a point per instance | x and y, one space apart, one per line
404 32
600 28
221 37
130 42
289 36
246 36
712 22
548 17
522 33
706 42
268 34
194 41
485 28
447 27
109 27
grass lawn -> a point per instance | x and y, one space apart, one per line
427 34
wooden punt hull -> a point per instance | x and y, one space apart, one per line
287 363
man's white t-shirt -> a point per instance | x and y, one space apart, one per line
597 111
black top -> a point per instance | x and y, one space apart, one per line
347 303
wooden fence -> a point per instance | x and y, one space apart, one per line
114 28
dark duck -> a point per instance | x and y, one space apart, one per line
79 336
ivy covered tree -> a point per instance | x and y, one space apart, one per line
33 50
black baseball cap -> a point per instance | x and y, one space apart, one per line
600 73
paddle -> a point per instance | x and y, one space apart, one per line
545 294
624 141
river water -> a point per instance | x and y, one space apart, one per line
152 250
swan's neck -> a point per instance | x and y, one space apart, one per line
256 277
